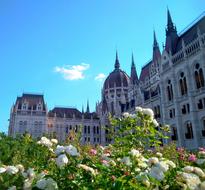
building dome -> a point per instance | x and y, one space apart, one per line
117 78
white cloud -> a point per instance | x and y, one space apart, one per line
100 77
72 72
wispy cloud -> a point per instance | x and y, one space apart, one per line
100 77
72 72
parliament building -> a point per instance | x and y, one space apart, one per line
171 84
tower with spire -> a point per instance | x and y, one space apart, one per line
117 63
88 107
133 76
156 51
171 34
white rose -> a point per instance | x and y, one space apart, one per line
188 169
20 167
54 141
153 160
87 168
191 180
171 164
155 122
202 186
45 141
125 114
138 109
158 154
71 150
156 173
126 161
59 149
2 170
199 172
135 153
148 111
12 170
162 166
62 160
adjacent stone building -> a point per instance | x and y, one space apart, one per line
171 83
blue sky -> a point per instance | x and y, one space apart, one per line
58 48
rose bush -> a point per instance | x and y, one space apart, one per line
135 160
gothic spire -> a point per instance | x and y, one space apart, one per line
133 76
155 44
169 20
171 34
117 63
156 50
88 108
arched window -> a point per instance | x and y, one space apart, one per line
183 84
174 134
169 91
199 77
189 131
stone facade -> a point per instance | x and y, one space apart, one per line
171 83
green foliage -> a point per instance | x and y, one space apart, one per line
136 160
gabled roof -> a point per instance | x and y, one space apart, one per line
145 72
69 113
32 99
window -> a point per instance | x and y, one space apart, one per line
185 109
24 107
199 77
76 129
93 129
157 111
174 134
183 84
201 103
169 91
88 129
189 133
39 107
67 130
85 129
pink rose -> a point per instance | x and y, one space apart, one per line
93 151
192 158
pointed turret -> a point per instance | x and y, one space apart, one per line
82 109
156 51
133 75
88 108
171 34
117 63
170 24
